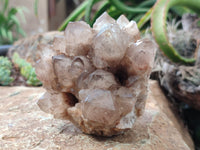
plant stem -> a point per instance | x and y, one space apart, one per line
36 7
145 18
73 15
158 26
126 9
102 8
80 16
146 3
88 10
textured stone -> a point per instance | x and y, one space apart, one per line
24 126
29 49
103 71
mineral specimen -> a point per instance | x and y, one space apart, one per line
97 77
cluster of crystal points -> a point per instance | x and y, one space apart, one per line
97 77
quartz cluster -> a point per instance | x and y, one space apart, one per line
97 77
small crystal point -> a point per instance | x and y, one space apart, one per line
133 31
59 43
140 57
78 38
109 46
103 21
122 21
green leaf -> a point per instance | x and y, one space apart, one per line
36 7
3 32
180 10
5 71
145 18
21 11
5 62
73 15
88 10
102 8
5 5
158 27
2 18
10 36
114 13
127 9
15 20
146 3
80 16
10 25
26 70
21 31
198 23
136 18
12 12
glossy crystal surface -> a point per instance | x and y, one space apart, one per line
97 77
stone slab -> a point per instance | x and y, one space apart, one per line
24 126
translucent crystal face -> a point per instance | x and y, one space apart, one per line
139 57
108 48
78 38
61 67
99 107
97 77
103 21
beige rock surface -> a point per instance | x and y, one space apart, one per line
24 126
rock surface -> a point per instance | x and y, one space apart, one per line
24 126
29 49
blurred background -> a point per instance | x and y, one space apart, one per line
51 14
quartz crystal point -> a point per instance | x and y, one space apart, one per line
97 77
130 28
110 50
102 22
78 38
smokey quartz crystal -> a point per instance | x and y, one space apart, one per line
97 77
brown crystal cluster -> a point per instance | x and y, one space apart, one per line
97 77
